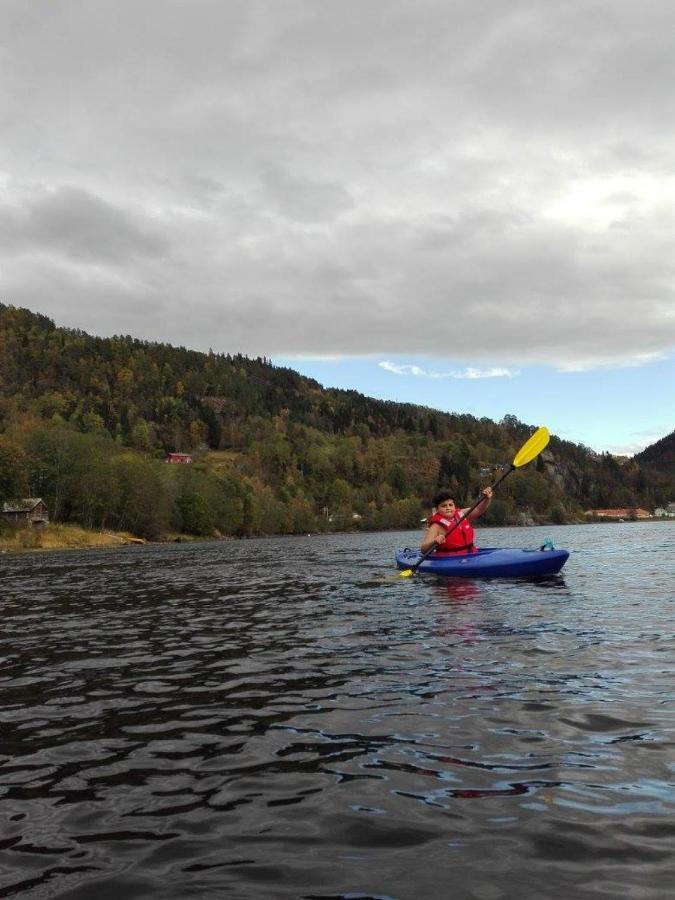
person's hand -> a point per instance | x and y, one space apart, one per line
439 539
487 492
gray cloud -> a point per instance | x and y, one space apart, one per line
76 224
489 181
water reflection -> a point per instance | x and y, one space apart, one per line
458 590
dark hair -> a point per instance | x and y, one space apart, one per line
442 496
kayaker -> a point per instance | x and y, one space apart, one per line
442 530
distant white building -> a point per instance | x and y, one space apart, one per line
667 512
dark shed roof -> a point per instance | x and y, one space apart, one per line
26 505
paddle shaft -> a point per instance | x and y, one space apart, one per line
461 519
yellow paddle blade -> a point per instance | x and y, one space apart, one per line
532 447
406 573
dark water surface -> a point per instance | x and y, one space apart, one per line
287 718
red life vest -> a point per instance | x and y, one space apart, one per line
460 539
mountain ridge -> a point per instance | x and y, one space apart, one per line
660 455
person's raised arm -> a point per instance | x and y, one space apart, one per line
483 505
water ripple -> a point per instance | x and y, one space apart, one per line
283 718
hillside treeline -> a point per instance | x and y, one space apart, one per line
86 422
659 456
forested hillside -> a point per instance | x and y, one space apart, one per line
86 423
659 456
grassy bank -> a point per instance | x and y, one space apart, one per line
62 537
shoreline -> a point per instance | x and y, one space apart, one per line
74 537
63 537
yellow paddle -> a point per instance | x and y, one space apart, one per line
529 451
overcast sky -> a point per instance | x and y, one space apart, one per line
490 183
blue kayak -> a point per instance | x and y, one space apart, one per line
492 562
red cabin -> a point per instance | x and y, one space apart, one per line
180 458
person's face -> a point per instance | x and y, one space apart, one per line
447 508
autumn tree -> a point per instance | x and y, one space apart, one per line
13 481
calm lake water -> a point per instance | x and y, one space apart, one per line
288 718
